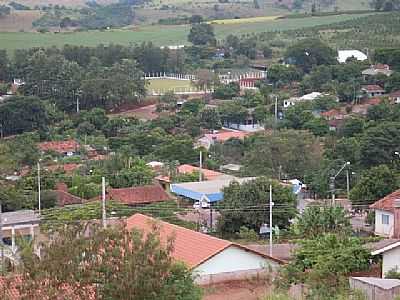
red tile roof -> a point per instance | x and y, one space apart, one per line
139 195
224 136
208 174
381 67
372 88
372 101
333 113
59 146
387 202
395 94
191 247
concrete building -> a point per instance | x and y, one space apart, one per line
21 223
387 215
344 55
372 90
377 69
206 191
395 97
294 100
389 249
376 288
211 259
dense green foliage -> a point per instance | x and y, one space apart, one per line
246 205
316 221
117 264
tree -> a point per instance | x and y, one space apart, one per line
5 67
316 221
379 143
138 174
106 264
290 153
323 263
227 91
246 205
205 79
20 114
281 74
168 102
232 112
352 127
210 118
373 185
202 34
308 53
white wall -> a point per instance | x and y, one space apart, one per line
233 259
384 229
391 260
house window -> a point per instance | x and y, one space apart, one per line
385 219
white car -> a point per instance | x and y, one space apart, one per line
202 204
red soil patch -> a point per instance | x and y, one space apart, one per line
236 290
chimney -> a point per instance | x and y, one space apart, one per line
396 209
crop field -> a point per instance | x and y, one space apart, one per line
164 85
158 34
244 20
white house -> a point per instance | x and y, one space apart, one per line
294 100
390 251
211 259
343 55
387 215
395 97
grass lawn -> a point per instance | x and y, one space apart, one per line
168 84
160 35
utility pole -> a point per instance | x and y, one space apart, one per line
39 189
103 198
77 104
276 109
270 220
1 131
200 166
348 183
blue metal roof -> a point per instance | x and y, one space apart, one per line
197 196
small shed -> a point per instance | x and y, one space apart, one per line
376 288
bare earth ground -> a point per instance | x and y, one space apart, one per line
237 290
142 113
19 20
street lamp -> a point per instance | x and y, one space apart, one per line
332 181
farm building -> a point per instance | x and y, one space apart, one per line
387 215
205 191
389 249
211 259
344 55
376 288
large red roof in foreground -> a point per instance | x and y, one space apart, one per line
190 247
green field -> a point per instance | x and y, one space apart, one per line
164 85
160 35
